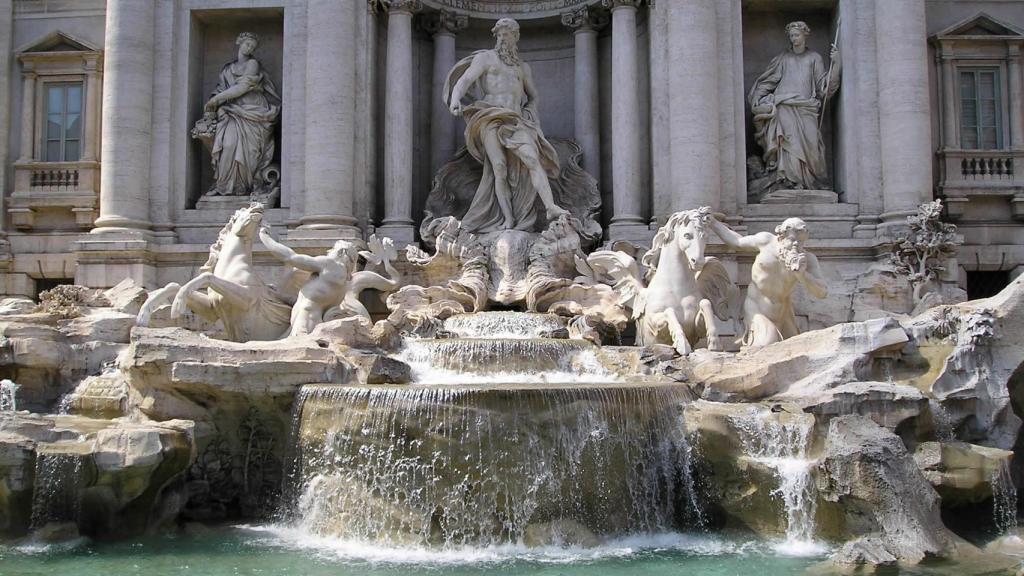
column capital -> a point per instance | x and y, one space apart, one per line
616 4
402 6
585 18
444 22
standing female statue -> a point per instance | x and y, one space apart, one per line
240 117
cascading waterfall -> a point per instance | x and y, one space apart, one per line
56 491
8 396
508 325
502 360
1004 498
433 465
780 441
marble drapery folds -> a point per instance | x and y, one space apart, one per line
513 130
243 146
786 101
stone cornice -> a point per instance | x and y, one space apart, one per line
407 6
614 4
585 18
518 9
444 22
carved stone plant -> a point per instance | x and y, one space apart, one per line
919 254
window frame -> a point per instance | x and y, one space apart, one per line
44 82
968 62
44 111
1000 104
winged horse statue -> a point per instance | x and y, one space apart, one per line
228 287
684 289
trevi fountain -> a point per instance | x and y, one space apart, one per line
513 387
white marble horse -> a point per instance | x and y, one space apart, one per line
228 288
685 290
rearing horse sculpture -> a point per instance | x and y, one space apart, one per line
228 288
685 290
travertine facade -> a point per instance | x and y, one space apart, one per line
102 180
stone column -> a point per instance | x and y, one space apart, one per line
949 90
398 127
904 108
127 122
6 26
627 202
585 23
330 121
27 146
93 93
694 104
442 26
1016 97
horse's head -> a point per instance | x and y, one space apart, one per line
246 221
690 232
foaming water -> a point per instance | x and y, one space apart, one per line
56 491
293 538
1004 498
494 360
780 442
8 396
446 467
508 325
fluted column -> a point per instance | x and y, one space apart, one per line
585 23
6 29
27 147
627 202
330 120
904 107
127 123
398 128
443 26
694 104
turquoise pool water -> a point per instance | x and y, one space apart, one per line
268 551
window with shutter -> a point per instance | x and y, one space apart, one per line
63 132
980 109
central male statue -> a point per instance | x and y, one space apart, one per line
503 133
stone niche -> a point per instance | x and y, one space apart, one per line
212 46
544 43
764 38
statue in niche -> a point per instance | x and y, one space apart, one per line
781 263
238 128
503 133
787 101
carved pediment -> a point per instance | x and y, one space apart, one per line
57 41
981 26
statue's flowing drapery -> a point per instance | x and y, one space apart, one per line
513 129
243 147
786 102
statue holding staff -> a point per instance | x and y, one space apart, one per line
787 101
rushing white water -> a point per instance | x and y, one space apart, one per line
1004 498
56 491
8 396
452 467
780 441
290 537
508 325
942 421
502 360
